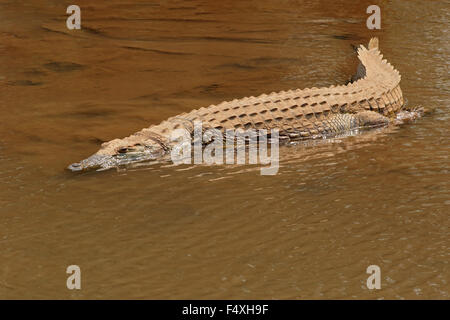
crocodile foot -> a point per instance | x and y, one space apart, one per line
409 115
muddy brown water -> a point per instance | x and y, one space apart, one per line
217 231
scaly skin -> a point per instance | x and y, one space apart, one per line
372 99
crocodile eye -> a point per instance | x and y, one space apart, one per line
122 150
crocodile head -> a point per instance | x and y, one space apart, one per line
117 153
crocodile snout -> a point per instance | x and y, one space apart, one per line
123 156
95 161
75 167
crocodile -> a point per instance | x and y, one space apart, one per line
373 98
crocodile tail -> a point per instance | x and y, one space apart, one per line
361 70
376 68
373 43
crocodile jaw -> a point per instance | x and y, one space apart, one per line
96 161
100 161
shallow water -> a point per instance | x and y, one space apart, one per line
217 231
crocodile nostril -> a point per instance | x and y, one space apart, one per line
75 167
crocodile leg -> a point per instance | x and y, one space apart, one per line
371 119
342 123
409 114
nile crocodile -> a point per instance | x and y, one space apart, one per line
372 98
